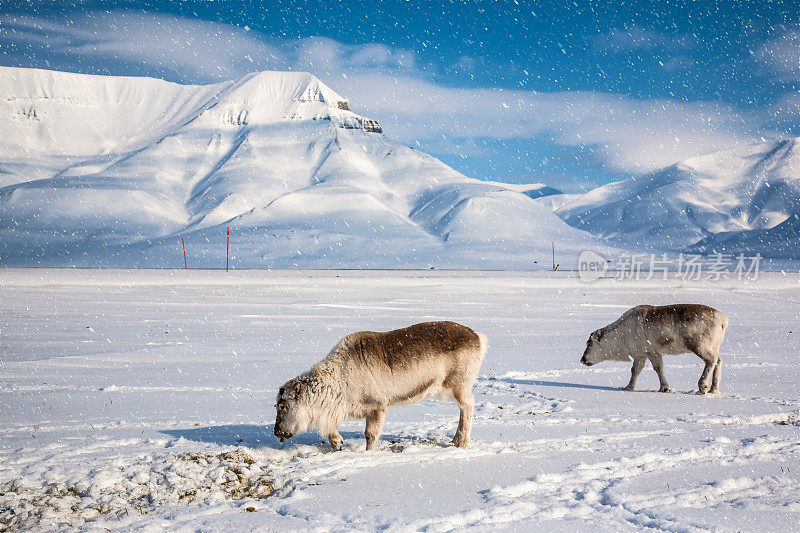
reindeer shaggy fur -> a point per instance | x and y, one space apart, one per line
368 371
647 332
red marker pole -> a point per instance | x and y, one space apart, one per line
185 263
228 249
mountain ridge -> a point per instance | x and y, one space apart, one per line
751 188
112 171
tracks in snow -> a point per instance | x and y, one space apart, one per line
94 482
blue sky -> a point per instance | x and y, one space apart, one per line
570 94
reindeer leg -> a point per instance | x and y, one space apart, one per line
336 441
717 374
710 360
466 405
375 421
636 369
658 365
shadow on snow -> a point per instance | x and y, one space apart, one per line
255 436
562 384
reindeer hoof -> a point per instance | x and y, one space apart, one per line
460 442
665 389
628 388
713 390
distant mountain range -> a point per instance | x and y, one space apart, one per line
730 197
115 171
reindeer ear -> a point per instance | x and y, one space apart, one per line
598 334
296 389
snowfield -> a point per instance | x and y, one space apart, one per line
143 400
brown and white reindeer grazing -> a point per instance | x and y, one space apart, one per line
368 371
647 332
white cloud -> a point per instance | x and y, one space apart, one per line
179 49
787 108
782 55
384 82
637 135
636 37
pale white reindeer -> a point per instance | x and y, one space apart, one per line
368 371
647 332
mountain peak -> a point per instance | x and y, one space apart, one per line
754 187
100 170
104 110
287 86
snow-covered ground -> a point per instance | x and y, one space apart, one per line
144 400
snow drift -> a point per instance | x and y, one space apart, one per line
114 171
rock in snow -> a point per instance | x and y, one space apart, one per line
114 171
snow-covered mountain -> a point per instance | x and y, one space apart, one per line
779 242
751 189
114 171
